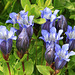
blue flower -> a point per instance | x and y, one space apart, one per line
62 23
46 26
62 55
70 37
21 18
22 43
50 51
47 14
70 32
52 36
6 38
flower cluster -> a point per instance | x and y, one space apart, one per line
24 32
25 29
51 34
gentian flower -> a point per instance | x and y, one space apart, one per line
50 51
52 36
46 13
62 23
6 38
25 21
25 32
22 43
50 18
16 18
50 40
21 18
62 55
71 37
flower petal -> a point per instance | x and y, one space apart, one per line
55 12
71 53
44 33
12 15
9 21
11 32
65 47
53 30
31 19
57 47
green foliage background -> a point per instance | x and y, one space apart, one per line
36 65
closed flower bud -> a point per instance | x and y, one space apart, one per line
71 45
22 43
6 46
46 26
62 23
30 31
49 54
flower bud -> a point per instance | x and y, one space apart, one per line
6 46
30 31
22 43
49 54
46 26
62 23
71 45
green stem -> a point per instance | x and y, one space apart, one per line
23 66
42 55
36 58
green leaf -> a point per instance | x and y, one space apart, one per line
1 68
72 17
18 65
40 2
50 69
58 4
12 70
48 2
39 21
43 70
24 2
51 7
24 57
27 8
16 56
29 67
71 72
6 6
1 73
5 69
70 6
35 10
